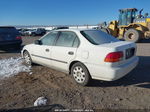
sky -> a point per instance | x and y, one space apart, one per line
64 12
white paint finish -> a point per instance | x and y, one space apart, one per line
90 55
61 57
41 52
111 73
85 54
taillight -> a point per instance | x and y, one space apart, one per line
18 38
114 57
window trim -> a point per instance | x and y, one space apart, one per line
73 40
87 38
92 42
58 33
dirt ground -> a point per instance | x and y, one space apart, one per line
130 92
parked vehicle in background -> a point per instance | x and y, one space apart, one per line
85 54
23 31
47 31
36 32
9 38
19 29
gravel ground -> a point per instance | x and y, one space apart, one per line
130 92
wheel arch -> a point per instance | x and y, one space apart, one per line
138 27
73 62
22 52
25 50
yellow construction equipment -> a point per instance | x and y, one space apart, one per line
130 27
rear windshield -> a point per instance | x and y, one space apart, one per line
8 30
98 37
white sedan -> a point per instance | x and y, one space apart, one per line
85 54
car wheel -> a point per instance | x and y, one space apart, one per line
27 58
80 74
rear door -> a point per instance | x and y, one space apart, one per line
65 50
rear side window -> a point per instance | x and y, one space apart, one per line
49 38
98 37
76 42
4 30
67 39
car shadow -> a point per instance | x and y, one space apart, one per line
10 51
47 108
139 77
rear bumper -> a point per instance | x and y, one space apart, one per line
9 44
112 73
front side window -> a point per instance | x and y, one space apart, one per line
49 39
98 37
66 39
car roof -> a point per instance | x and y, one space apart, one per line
75 30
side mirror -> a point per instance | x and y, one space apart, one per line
38 42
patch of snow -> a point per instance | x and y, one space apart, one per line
12 66
41 101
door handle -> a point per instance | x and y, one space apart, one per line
47 50
71 53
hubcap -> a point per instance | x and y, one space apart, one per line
79 74
27 58
131 36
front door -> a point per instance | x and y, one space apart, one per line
42 52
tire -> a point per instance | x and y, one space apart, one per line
27 58
132 35
80 74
